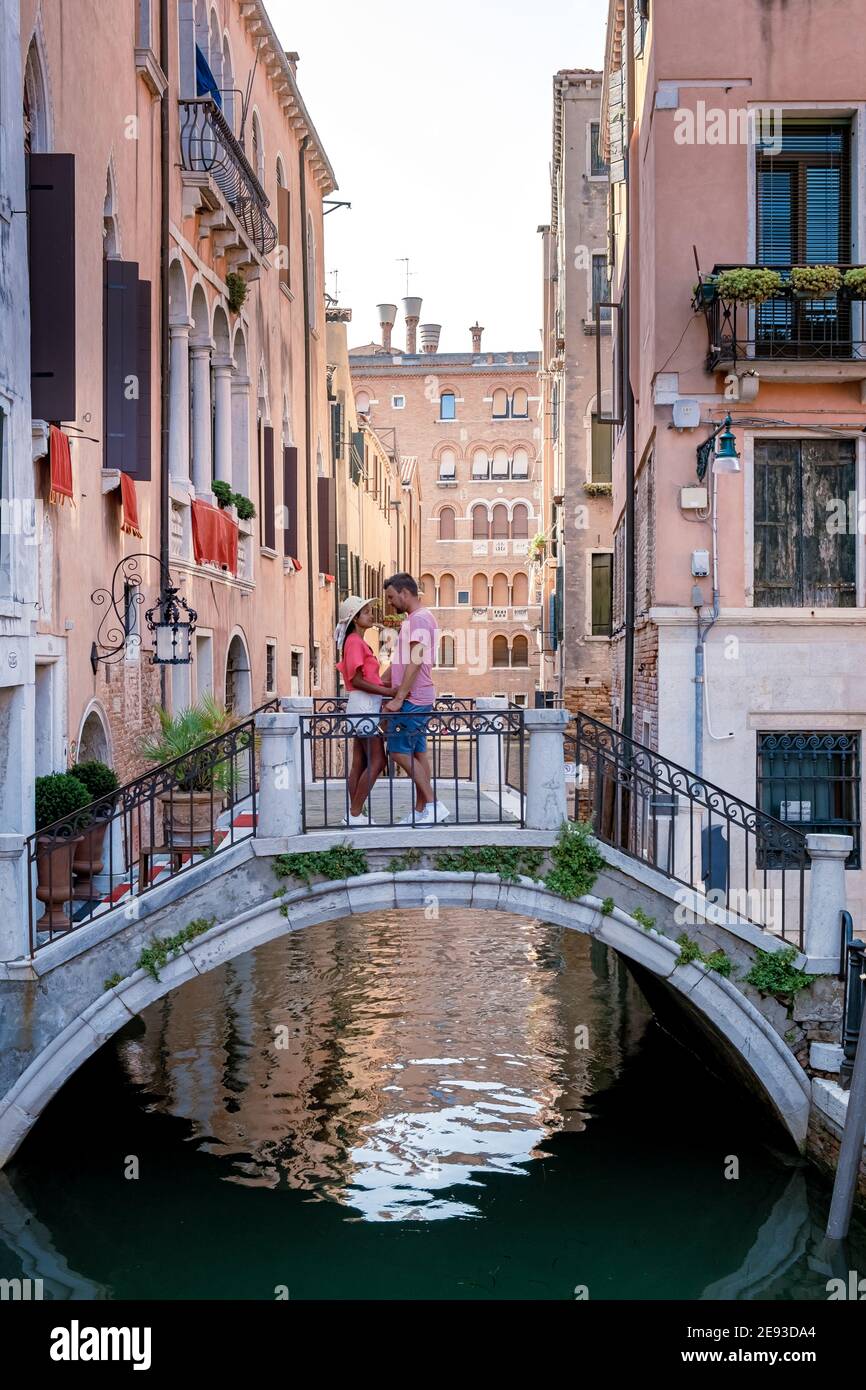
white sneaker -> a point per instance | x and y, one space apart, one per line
356 820
436 813
416 819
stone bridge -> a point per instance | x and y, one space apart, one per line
61 1003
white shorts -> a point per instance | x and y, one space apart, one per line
361 703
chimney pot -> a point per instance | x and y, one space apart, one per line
430 336
476 330
411 313
387 315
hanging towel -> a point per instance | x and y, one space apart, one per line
60 466
129 522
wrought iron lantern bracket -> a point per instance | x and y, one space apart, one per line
170 620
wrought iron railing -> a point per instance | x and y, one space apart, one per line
734 855
208 145
449 760
152 828
852 969
458 741
784 326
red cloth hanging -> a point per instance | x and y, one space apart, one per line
129 522
214 537
60 467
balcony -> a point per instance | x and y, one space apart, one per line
209 148
803 338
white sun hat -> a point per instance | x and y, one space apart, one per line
349 609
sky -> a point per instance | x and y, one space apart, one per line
437 120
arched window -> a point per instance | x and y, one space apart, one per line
520 404
520 589
447 406
520 523
480 465
480 591
447 466
500 463
520 651
499 529
428 588
110 227
362 402
446 651
520 464
36 125
446 524
447 591
257 153
500 403
500 591
283 226
479 522
499 651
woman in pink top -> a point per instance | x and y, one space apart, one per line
359 667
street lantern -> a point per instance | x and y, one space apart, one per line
172 622
726 459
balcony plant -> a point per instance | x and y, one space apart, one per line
237 291
749 284
815 281
705 291
58 797
100 781
537 547
854 282
222 491
195 786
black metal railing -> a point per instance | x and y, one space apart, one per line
742 860
786 325
152 828
457 740
209 146
852 969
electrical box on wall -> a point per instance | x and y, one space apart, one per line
693 499
687 415
700 563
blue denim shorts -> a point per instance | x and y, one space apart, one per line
406 732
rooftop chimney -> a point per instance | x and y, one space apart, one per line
387 315
412 313
430 336
476 330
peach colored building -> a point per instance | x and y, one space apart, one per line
578 563
743 147
470 421
179 339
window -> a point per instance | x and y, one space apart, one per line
520 523
520 589
428 587
398 402
499 651
602 590
446 651
805 553
446 524
520 404
462 596
500 591
600 286
270 667
500 463
362 402
520 699
283 228
447 406
598 169
480 465
520 464
500 403
520 651
447 591
447 466
600 467
480 591
480 525
811 780
641 20
499 529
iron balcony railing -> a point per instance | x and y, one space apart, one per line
449 760
784 326
151 829
852 969
208 145
460 742
734 855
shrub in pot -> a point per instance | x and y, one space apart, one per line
199 778
815 281
749 285
58 797
854 282
100 781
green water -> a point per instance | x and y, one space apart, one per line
477 1107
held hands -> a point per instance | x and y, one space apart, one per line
392 707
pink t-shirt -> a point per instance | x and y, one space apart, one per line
418 627
358 660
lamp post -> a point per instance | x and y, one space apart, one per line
170 619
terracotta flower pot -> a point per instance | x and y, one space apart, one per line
54 860
189 818
88 861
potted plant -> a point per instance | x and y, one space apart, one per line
815 281
854 282
749 284
222 492
58 798
100 781
537 547
244 507
196 784
705 291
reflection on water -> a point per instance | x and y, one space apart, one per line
383 1062
472 1107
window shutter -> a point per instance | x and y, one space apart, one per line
142 461
337 429
343 570
51 231
283 233
616 126
290 501
357 455
777 524
268 499
327 528
829 552
120 366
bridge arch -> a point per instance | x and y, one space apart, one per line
763 1059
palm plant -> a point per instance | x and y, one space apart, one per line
184 734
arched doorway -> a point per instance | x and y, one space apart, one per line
93 742
239 683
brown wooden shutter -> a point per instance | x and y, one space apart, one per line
290 501
51 231
268 500
801 560
283 234
142 459
120 364
325 497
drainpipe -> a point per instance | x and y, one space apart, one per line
165 171
629 584
308 411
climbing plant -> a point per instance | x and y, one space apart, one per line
774 973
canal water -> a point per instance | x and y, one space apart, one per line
396 1106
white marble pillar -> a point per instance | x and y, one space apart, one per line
202 468
279 799
827 898
223 367
546 806
241 434
178 401
492 746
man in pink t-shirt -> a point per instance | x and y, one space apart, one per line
409 710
